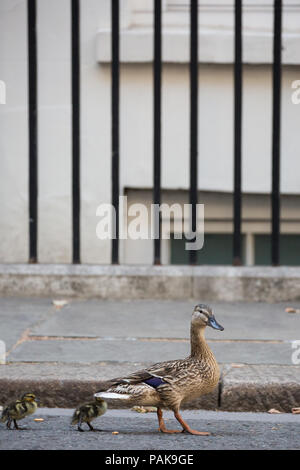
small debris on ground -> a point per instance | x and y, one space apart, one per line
292 310
59 304
237 365
274 411
144 409
115 432
39 420
296 411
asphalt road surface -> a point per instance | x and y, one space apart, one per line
139 431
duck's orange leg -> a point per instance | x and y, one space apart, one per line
186 426
162 426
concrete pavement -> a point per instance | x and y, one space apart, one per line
62 353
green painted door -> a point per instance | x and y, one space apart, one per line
217 249
289 250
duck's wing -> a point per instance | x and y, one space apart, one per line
155 375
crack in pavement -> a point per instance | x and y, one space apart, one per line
31 337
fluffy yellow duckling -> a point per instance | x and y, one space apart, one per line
87 412
19 409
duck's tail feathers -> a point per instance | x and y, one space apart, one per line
75 417
112 396
4 416
104 385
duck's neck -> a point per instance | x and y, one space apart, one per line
199 346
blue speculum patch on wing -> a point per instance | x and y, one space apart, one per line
154 382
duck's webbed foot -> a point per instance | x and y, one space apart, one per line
162 426
18 427
93 429
186 427
79 425
90 426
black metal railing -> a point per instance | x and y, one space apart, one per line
115 106
157 124
33 135
237 198
75 41
157 131
276 132
193 199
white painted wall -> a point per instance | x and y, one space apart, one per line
215 119
13 133
54 143
95 132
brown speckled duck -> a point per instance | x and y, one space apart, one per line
168 384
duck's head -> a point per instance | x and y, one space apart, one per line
29 397
203 316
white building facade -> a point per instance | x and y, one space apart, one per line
215 178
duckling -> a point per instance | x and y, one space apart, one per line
19 409
87 412
168 384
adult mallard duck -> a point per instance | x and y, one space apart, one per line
19 409
168 384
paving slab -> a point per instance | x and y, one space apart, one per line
170 319
148 351
18 315
119 319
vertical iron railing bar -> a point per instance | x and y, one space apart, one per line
33 129
157 72
115 106
237 245
193 196
75 43
276 133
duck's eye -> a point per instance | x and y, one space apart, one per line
202 316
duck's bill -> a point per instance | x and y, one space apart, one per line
214 324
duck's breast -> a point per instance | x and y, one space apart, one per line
203 379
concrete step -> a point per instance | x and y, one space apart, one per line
241 388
